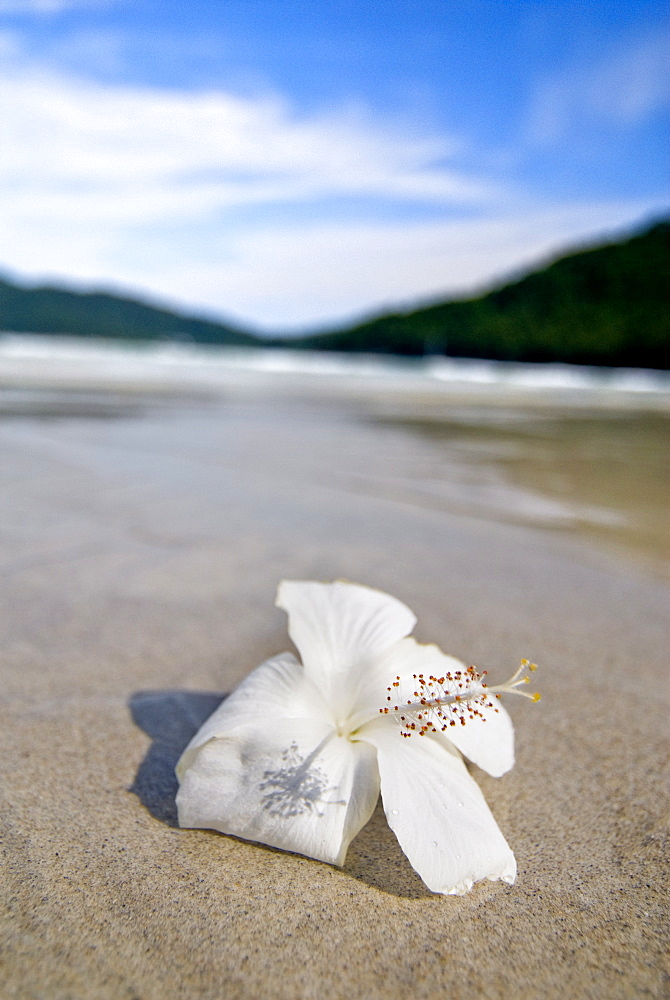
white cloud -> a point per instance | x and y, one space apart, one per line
622 90
100 151
635 84
142 189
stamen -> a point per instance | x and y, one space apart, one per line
440 702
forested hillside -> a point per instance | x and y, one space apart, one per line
609 305
98 314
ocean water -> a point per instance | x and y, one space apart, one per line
583 453
27 355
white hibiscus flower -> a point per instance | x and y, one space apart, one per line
296 756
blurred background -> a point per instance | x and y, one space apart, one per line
298 165
358 203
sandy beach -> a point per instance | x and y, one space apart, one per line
144 534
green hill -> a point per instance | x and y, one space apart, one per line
609 306
98 314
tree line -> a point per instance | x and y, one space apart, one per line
604 306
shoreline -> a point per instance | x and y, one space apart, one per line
521 457
36 364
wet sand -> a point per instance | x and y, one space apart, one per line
598 477
142 543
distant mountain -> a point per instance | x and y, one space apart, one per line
98 314
604 306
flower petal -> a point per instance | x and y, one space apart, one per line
488 744
338 628
277 688
438 812
487 740
288 783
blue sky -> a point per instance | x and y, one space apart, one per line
297 164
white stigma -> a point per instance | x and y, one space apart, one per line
440 702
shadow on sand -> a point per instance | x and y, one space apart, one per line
170 718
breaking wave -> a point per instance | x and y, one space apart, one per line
213 364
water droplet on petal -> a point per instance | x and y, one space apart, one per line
461 803
434 843
394 812
458 857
